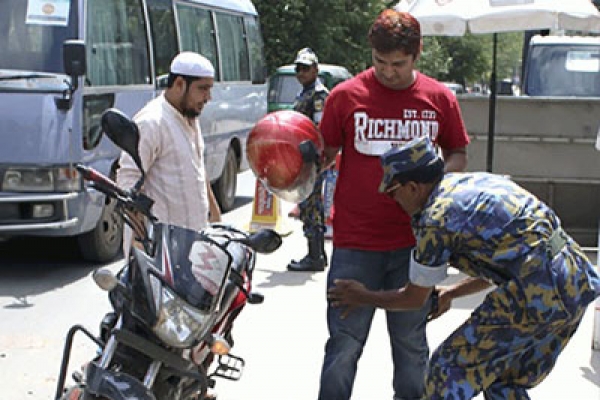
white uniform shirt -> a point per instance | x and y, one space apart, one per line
171 149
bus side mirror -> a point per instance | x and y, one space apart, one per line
74 61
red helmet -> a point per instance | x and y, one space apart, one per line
282 151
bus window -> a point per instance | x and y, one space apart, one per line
232 43
162 26
29 46
256 46
197 33
117 47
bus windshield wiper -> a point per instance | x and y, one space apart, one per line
25 76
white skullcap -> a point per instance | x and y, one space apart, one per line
192 64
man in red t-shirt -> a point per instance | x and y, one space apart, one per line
382 107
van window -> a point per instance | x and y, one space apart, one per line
234 51
164 35
198 33
257 58
117 46
559 70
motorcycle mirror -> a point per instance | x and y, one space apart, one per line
123 132
264 241
105 279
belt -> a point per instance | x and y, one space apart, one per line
556 242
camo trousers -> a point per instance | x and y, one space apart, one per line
512 340
312 212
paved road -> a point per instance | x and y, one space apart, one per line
282 340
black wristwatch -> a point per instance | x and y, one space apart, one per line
434 301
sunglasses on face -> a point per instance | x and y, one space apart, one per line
302 68
390 192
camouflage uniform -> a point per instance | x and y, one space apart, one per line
310 102
489 227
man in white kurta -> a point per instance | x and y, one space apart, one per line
171 149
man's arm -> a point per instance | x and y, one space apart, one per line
455 160
329 155
352 294
467 287
213 207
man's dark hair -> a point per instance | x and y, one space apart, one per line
394 30
188 80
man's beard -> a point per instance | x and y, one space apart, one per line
190 113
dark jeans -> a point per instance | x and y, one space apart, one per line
347 337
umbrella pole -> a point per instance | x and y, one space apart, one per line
492 110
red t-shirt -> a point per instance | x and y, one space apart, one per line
365 119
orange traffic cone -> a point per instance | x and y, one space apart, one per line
266 212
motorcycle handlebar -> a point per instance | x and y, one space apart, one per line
263 241
103 183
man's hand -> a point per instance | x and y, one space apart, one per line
347 293
446 294
352 294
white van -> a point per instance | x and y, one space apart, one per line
563 66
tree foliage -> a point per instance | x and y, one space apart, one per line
337 31
468 59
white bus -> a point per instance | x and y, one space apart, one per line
52 95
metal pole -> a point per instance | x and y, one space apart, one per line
596 329
492 111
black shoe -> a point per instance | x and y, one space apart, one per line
308 264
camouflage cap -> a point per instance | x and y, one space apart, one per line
306 57
407 158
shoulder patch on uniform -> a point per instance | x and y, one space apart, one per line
319 103
320 87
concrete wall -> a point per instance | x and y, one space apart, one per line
548 146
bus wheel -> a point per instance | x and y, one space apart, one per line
104 242
226 186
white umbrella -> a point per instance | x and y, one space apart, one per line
455 17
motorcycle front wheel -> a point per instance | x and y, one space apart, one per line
78 393
180 388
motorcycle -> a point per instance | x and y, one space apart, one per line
174 303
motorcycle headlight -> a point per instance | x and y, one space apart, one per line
178 324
